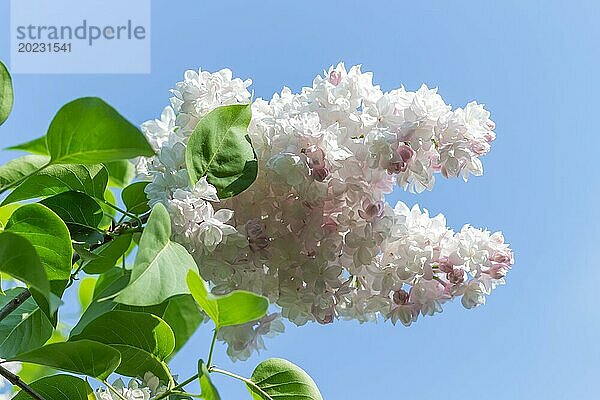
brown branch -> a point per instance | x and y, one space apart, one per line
16 381
14 304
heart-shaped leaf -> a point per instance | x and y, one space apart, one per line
236 308
144 341
220 149
89 131
160 265
209 391
24 329
84 357
49 236
81 213
19 259
60 387
280 379
135 198
56 179
6 93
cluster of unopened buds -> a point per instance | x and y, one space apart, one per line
314 232
137 389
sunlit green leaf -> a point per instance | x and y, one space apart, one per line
144 341
160 265
120 173
236 308
135 198
6 93
209 391
82 357
85 292
19 259
280 379
17 169
60 387
49 236
35 146
221 150
24 329
89 131
56 179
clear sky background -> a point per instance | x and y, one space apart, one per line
535 66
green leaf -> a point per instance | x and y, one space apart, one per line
24 329
85 292
6 212
35 146
49 236
17 169
209 391
6 93
120 173
81 213
60 387
282 380
82 357
57 179
160 265
236 308
183 316
220 148
19 259
135 198
144 341
89 131
108 255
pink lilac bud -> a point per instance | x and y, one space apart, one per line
315 158
445 265
400 162
400 297
498 271
405 152
329 226
372 211
456 277
335 78
502 258
255 232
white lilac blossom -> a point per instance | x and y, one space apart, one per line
314 233
136 389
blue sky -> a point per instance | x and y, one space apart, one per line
533 63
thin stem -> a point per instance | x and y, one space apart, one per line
108 385
176 388
19 181
16 381
14 304
241 378
130 215
212 346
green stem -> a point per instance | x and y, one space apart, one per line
19 181
241 378
108 385
212 347
177 387
130 215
